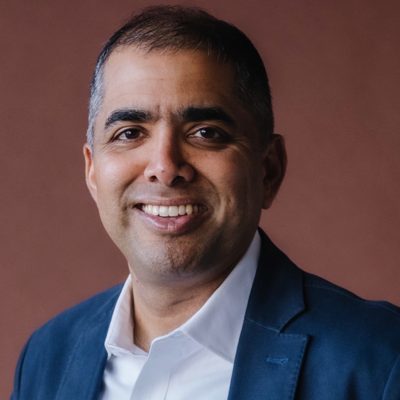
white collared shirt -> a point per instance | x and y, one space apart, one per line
194 361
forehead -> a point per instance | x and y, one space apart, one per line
165 80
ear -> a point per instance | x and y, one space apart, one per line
275 162
89 171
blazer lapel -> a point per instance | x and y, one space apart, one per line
83 378
268 360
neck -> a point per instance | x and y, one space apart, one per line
159 309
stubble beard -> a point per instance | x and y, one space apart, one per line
174 260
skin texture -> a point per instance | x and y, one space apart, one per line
149 149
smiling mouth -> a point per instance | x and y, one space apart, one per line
170 211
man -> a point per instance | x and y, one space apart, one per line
181 158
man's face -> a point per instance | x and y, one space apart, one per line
176 169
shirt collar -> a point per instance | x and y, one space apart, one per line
119 337
216 325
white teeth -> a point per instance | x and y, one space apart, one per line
171 211
182 210
155 210
163 212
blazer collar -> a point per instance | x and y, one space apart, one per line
268 360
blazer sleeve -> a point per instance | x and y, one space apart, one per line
392 388
16 394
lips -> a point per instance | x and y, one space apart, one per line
173 216
170 210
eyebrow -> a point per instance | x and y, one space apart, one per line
189 114
198 114
128 114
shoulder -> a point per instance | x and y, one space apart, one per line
358 327
352 340
347 336
77 318
323 303
71 323
341 305
337 318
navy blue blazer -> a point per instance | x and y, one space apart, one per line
302 338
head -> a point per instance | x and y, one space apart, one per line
176 28
181 157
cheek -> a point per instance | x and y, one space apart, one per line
244 185
117 168
114 173
234 178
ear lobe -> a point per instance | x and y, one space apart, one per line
275 162
89 171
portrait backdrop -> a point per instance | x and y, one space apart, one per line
334 72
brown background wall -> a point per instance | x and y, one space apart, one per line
334 68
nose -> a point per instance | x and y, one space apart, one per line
167 164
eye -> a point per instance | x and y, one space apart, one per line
211 134
128 134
